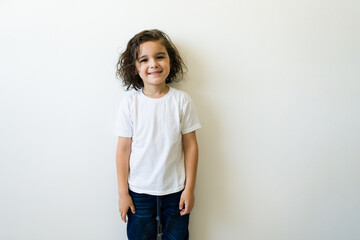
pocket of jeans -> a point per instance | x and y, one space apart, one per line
145 205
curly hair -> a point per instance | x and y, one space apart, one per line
126 69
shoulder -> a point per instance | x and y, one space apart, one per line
181 95
129 97
128 100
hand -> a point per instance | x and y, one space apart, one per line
188 199
125 202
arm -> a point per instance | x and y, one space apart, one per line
122 168
191 162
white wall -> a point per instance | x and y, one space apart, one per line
276 84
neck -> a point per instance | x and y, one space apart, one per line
155 91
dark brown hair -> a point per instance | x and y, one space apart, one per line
126 69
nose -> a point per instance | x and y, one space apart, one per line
153 63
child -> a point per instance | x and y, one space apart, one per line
157 152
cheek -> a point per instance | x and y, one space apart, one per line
138 69
167 65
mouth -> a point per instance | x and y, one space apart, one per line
155 73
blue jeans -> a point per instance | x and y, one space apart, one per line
143 225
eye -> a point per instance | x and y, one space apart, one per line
143 60
160 57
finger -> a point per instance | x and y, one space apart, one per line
132 207
123 213
181 204
188 209
123 216
185 211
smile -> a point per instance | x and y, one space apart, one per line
155 73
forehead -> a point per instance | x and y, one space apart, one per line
151 47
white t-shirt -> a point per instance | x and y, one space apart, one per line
156 126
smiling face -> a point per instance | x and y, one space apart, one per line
153 63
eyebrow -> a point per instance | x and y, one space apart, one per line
157 54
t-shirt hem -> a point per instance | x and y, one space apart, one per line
155 192
119 134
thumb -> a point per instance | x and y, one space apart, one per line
132 207
181 204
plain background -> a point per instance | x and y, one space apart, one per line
276 85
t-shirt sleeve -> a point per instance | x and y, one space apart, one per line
190 120
124 124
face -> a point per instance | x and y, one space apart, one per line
153 63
